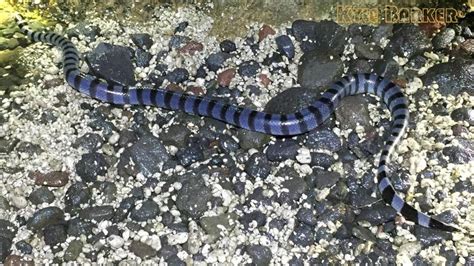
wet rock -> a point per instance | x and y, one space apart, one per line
248 68
461 153
41 195
291 100
251 139
97 213
285 46
377 214
178 75
265 31
142 250
429 237
282 150
175 135
90 166
323 36
84 29
295 187
77 194
148 155
148 210
323 179
407 41
306 216
323 139
261 255
54 234
142 58
353 112
319 69
44 217
452 77
77 227
5 245
253 219
73 250
193 198
228 46
257 166
142 40
225 77
112 62
7 229
214 225
216 60
192 153
368 51
443 39
51 179
387 68
303 235
24 247
323 160
463 114
89 141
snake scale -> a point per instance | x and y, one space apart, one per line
296 123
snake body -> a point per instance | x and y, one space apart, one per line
299 122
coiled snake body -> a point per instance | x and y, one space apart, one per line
299 122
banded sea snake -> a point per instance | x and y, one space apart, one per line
300 122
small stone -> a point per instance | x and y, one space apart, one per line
24 247
408 40
77 194
265 31
54 234
264 80
148 210
89 141
225 77
377 214
44 217
228 46
41 195
285 46
306 216
248 68
215 61
251 139
261 255
178 75
112 62
257 166
181 26
282 150
256 217
193 198
324 179
452 77
468 46
303 235
51 179
7 229
323 160
5 245
178 41
429 237
142 250
192 153
461 153
142 40
191 48
97 213
214 225
77 227
323 139
73 250
319 69
90 166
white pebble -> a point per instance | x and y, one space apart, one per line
304 156
115 241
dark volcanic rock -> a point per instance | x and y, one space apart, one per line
90 166
452 77
291 100
323 35
193 198
261 255
142 40
319 69
45 217
407 41
112 62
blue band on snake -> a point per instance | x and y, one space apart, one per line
296 123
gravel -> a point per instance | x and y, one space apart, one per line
97 183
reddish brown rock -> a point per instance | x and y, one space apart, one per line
402 83
265 30
225 77
196 90
264 80
15 260
191 48
174 87
51 179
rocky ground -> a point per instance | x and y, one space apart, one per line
87 181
